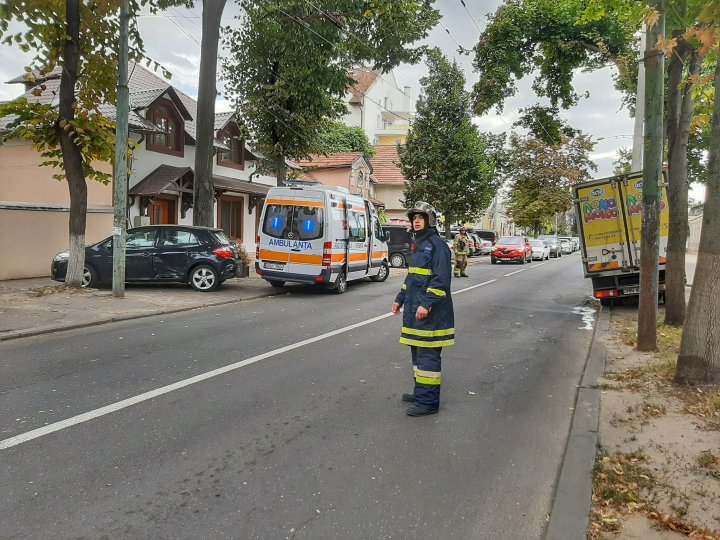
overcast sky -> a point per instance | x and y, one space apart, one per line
173 39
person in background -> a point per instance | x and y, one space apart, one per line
461 246
428 316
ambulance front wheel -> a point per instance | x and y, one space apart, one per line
341 283
383 274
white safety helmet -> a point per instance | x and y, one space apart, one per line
426 209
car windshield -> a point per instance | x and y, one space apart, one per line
510 241
537 243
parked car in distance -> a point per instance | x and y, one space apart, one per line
554 244
566 246
512 248
575 243
399 240
472 249
486 247
203 257
485 234
540 249
452 251
476 244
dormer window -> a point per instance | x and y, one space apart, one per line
235 156
164 115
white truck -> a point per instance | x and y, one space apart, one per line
609 217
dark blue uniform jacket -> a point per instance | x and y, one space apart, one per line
428 285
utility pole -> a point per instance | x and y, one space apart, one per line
652 174
122 111
637 148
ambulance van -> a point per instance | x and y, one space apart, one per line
321 235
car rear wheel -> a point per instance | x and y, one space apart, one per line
397 260
341 283
204 278
382 274
89 277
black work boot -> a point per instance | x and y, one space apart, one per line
410 398
417 410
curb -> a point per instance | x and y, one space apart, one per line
570 513
17 334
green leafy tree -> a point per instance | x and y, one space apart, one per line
445 160
540 177
287 71
337 137
74 136
544 123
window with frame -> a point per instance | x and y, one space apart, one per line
176 237
357 227
231 216
171 141
235 156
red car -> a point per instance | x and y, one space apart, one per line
512 248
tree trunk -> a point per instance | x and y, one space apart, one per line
204 191
699 359
652 173
281 170
72 157
678 195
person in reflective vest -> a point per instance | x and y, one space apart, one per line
428 318
461 246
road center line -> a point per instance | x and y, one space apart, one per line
129 402
515 272
536 265
475 286
102 411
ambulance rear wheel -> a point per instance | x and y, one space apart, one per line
277 284
383 274
340 283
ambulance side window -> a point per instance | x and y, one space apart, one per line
277 217
308 222
357 227
379 234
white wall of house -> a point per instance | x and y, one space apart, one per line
383 95
146 161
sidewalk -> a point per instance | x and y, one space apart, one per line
30 307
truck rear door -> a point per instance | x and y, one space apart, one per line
603 227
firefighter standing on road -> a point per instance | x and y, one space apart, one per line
461 246
428 317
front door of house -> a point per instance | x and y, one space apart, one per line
163 211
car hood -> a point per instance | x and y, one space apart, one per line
514 246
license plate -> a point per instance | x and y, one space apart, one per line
274 266
631 290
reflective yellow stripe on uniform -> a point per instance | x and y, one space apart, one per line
404 287
436 292
421 271
428 333
427 377
418 343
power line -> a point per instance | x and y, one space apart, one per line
461 49
470 15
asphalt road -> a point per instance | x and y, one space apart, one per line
297 440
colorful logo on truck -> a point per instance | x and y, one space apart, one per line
600 209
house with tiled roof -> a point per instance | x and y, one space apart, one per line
350 170
160 183
389 181
377 104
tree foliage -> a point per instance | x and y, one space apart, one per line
445 160
551 39
337 137
540 176
544 123
287 71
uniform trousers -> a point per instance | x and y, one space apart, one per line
426 369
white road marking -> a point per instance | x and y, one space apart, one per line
129 402
539 264
475 286
515 272
102 411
